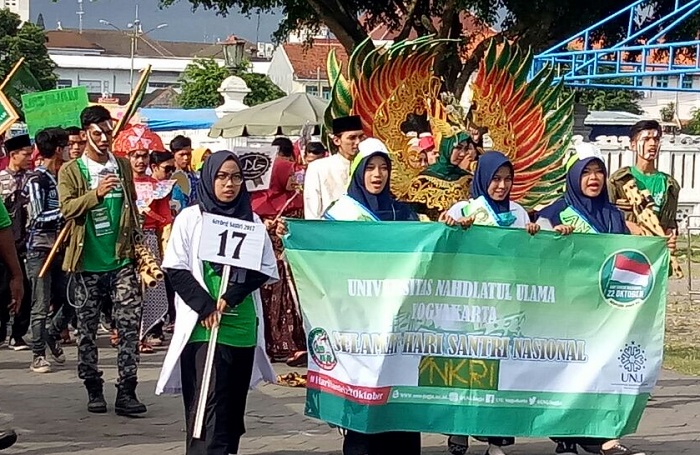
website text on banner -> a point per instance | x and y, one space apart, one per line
418 326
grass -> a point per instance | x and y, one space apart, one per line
682 359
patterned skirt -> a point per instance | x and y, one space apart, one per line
155 300
284 329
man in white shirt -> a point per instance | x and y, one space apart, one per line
327 179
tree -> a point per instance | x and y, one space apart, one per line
668 112
203 77
609 99
200 83
536 23
27 41
693 125
262 89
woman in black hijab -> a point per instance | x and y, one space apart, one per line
239 354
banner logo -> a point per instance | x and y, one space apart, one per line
633 362
321 349
626 278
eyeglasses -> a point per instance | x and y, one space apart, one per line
236 179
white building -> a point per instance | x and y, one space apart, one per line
656 100
101 60
19 7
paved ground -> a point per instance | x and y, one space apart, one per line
49 413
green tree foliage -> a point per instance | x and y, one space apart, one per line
262 89
536 23
693 125
200 82
27 41
202 78
610 99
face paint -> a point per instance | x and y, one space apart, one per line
641 143
104 136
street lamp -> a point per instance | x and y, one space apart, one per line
134 35
234 51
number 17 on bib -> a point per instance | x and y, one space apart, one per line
231 241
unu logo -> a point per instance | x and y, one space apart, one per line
633 362
321 350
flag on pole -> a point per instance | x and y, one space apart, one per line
18 82
8 115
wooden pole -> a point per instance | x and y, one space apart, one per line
54 250
209 364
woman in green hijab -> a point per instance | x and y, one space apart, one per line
453 150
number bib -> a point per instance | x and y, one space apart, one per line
231 241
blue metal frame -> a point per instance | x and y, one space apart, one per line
600 68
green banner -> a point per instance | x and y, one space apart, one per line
486 331
54 108
22 82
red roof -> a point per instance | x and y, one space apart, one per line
310 62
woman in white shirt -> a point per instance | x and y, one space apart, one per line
240 359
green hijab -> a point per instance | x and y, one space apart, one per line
443 169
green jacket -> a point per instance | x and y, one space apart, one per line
667 214
77 199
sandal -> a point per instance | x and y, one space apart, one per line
145 348
298 359
292 380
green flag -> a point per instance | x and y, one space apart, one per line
21 82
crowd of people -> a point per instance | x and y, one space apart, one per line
85 208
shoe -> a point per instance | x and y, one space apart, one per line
18 345
40 365
57 351
96 399
7 439
619 449
566 447
458 445
127 404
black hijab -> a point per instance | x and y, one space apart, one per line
238 208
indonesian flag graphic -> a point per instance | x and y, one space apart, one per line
628 271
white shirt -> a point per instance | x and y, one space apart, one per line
520 214
182 253
94 168
326 181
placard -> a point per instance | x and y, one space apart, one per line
257 166
231 241
54 108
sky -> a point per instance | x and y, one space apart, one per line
183 24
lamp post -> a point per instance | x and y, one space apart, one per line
234 51
134 34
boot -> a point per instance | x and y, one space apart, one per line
96 398
127 404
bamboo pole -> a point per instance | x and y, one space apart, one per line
54 250
11 74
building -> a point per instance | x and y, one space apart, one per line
101 60
296 67
19 7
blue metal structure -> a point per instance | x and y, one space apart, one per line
590 67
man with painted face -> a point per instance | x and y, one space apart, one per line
645 137
327 178
96 194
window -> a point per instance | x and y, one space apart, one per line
92 86
326 93
312 90
160 84
64 83
687 82
662 81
